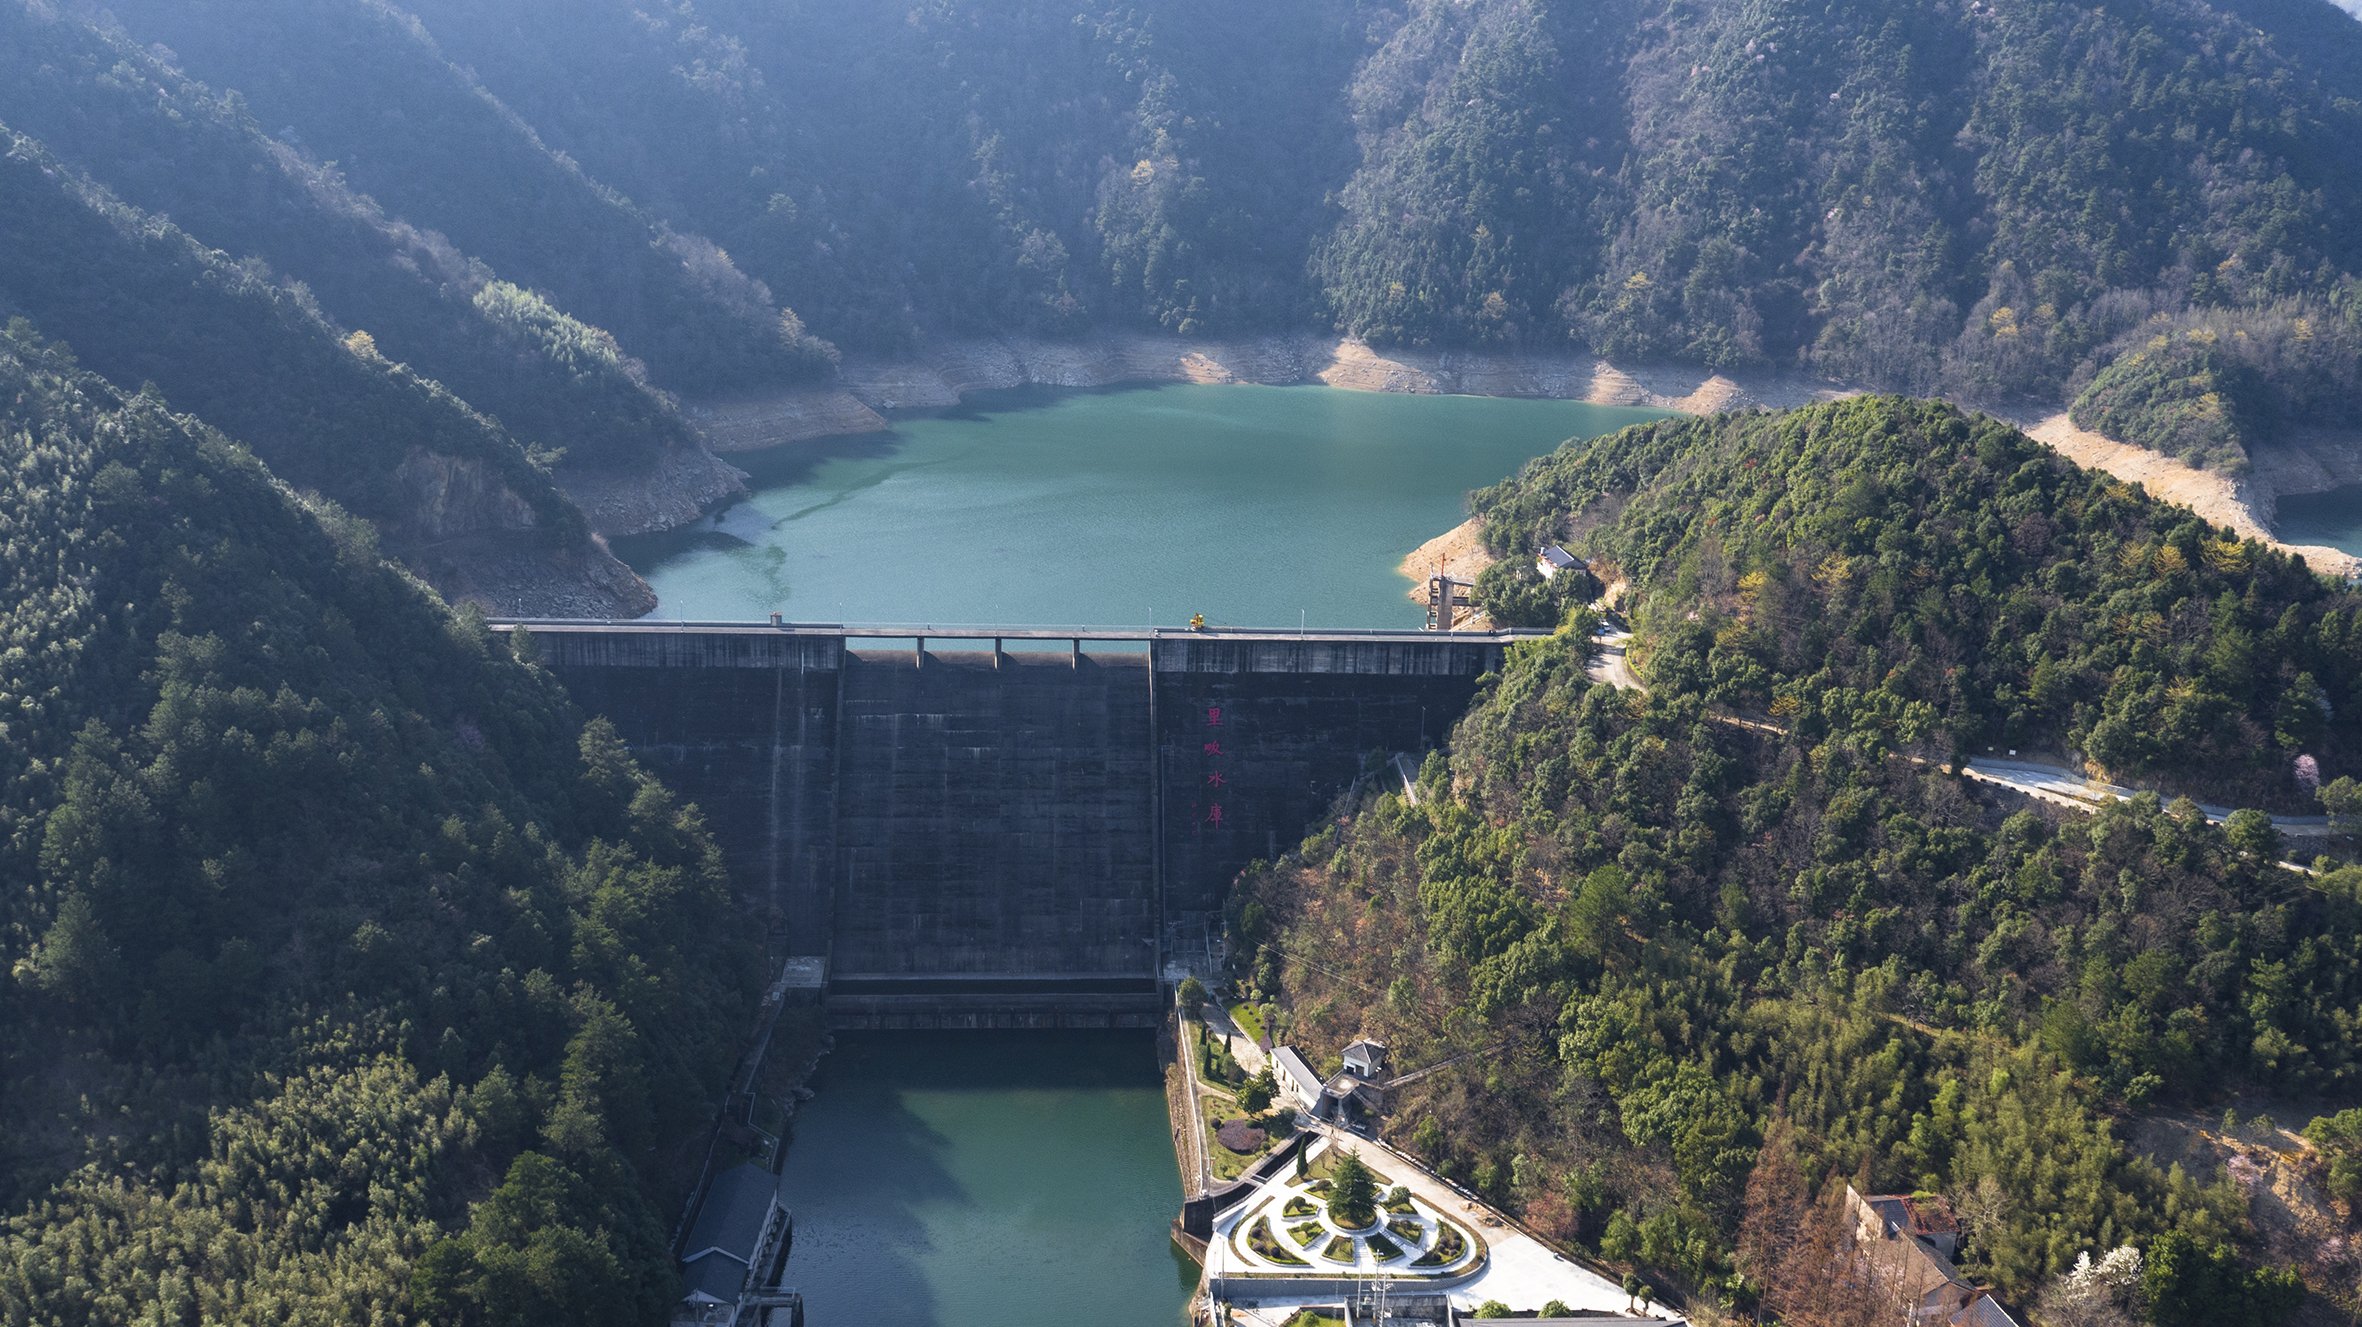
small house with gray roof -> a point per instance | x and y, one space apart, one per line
736 1244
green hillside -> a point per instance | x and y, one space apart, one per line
1723 964
143 302
363 86
1965 584
1988 203
170 147
327 913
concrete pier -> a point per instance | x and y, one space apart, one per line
977 837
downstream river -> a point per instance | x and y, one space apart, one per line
987 1179
1257 506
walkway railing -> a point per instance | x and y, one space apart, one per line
987 631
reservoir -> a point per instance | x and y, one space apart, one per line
987 1179
2333 518
1257 506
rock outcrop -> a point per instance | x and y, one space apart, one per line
446 496
746 424
684 484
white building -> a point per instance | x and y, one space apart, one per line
1297 1081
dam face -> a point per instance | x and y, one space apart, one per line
973 838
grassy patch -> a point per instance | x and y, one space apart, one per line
1383 1248
1307 1318
1298 1206
1228 1165
1307 1232
1318 1187
1259 1239
1249 1018
1407 1228
1340 1250
1326 1168
1398 1200
1449 1245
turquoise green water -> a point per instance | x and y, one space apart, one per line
986 1179
1252 505
2333 518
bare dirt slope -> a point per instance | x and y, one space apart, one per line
2244 504
1460 551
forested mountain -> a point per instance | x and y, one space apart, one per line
1974 592
1941 198
148 304
170 147
1727 963
363 86
329 915
2149 212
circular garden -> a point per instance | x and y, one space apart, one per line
1348 1219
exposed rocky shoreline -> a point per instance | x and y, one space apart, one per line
2249 504
687 485
941 373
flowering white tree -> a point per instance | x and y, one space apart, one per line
2094 1294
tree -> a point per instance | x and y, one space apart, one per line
2093 1294
1353 1196
1492 1308
73 958
1428 1138
1775 1204
2342 799
1191 993
2186 1283
1620 1239
2251 831
1256 1096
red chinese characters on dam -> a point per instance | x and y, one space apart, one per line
1214 777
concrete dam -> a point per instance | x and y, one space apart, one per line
975 831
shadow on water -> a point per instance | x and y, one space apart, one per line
857 1205
932 1171
2333 517
979 407
784 466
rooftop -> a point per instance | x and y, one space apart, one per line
1296 1075
731 1221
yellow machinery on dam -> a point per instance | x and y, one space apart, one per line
971 835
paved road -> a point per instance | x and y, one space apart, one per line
2051 783
2054 783
1610 666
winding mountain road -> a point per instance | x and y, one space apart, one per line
2050 783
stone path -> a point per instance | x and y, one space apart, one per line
1242 1047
